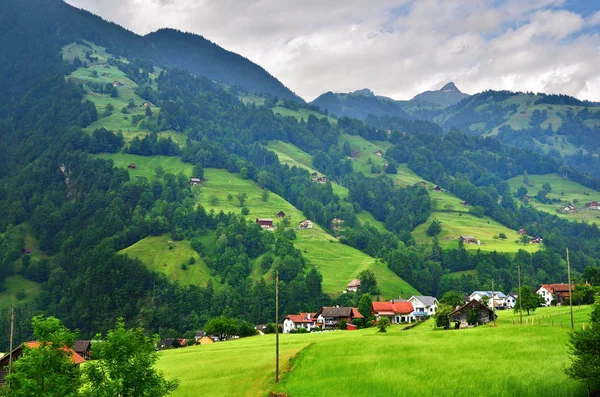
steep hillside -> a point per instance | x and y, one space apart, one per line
445 96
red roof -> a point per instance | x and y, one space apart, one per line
553 288
356 313
301 318
391 308
75 358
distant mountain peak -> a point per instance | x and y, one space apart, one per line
364 92
450 87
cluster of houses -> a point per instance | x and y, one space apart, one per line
267 223
570 208
594 205
551 293
318 179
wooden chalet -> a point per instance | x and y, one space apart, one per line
594 205
522 232
265 223
379 153
462 314
468 239
83 348
281 214
464 203
536 240
554 293
322 179
353 285
76 359
195 181
132 166
329 317
437 188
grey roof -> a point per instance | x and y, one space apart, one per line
427 300
336 311
489 293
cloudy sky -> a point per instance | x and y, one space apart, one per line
397 48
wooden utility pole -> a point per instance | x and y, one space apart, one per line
520 296
570 294
277 327
12 328
493 314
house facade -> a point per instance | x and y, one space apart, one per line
559 293
294 322
499 298
329 317
353 285
471 314
594 205
265 223
397 311
423 305
511 301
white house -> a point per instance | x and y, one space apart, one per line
292 322
499 298
353 285
511 301
424 305
554 292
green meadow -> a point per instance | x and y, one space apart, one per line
301 114
502 360
366 150
565 190
146 165
161 254
13 285
456 224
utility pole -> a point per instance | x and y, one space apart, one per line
12 327
520 296
570 294
277 327
493 314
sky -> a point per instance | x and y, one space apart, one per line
397 48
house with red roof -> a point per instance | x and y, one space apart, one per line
329 317
559 293
294 322
397 311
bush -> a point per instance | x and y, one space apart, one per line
183 266
192 260
343 325
383 323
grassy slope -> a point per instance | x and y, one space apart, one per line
154 252
572 191
301 114
417 362
13 285
317 245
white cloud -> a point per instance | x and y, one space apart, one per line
342 45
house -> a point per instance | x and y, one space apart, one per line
76 359
522 232
314 175
554 293
172 343
117 84
536 240
294 322
322 179
353 285
199 334
379 153
260 329
423 305
281 214
328 317
205 340
498 297
569 208
437 188
397 311
146 104
305 224
265 223
132 166
468 239
464 203
511 300
195 181
462 315
594 205
83 348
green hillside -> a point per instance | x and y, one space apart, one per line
312 363
565 190
301 114
19 290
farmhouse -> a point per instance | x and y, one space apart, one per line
195 181
132 166
117 84
281 214
199 334
328 317
468 239
464 203
353 285
83 348
170 343
522 232
569 208
554 293
322 179
536 240
472 313
76 359
146 104
378 153
265 223
293 322
397 311
314 175
437 188
424 305
305 224
205 340
594 205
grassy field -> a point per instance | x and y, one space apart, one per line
456 224
146 165
417 362
571 191
301 114
366 150
155 253
15 284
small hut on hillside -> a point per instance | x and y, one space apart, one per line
471 314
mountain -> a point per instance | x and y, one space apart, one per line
58 23
360 104
446 96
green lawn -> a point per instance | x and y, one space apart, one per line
15 284
571 191
154 252
416 362
456 224
558 316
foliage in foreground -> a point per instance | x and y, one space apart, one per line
585 349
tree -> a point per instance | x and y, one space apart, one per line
124 365
368 283
434 228
531 300
364 307
583 294
242 197
222 326
524 239
441 316
585 351
198 171
502 236
383 323
453 298
525 178
148 111
265 195
485 300
46 370
546 186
